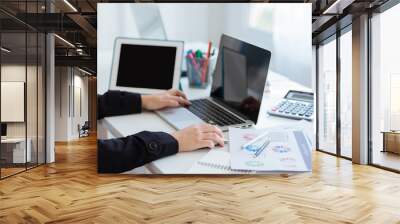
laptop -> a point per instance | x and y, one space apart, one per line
237 89
159 60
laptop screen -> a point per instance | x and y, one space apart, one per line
143 66
240 76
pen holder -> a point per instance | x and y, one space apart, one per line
199 72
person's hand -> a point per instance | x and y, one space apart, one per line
199 136
171 98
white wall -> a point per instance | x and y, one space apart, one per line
288 38
80 84
62 98
33 126
68 83
112 26
287 35
189 22
15 72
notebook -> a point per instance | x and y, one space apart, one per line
215 162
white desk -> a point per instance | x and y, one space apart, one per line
120 126
19 155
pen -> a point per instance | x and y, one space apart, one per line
255 139
199 54
203 73
261 149
190 56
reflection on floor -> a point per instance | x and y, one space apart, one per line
71 191
346 152
386 159
8 170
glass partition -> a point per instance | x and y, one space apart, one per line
385 89
23 89
346 93
13 92
327 96
335 94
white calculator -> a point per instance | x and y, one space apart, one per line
295 105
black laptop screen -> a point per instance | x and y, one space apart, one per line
240 76
143 66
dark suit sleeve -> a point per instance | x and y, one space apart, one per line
114 103
123 154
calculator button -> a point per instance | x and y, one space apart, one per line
293 109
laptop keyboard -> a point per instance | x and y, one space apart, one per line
212 114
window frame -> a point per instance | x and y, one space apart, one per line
334 37
381 9
25 30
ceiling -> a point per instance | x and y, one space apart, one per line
76 21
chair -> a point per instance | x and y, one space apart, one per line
84 130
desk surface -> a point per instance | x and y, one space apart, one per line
13 140
120 126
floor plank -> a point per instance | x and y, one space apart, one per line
70 191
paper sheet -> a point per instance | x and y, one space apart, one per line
288 150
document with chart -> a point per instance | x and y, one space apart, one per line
274 149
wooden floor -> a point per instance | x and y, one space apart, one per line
5 172
70 191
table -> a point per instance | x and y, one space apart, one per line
391 141
16 154
120 126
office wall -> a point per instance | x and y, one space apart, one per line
12 98
191 23
33 126
15 72
287 34
80 111
110 28
62 81
71 102
92 98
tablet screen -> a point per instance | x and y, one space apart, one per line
142 66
